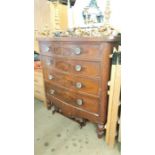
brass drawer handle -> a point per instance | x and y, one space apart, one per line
50 77
47 49
52 91
77 51
78 85
79 102
78 68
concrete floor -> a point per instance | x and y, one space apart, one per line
57 135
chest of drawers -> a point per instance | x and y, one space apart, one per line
76 72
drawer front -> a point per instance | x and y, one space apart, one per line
47 48
47 61
74 49
87 85
72 111
88 68
78 67
79 50
90 104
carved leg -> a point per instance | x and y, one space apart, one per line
100 130
55 109
49 104
81 121
82 124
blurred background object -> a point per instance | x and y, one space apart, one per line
92 13
65 2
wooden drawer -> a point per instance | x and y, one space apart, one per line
73 49
73 111
79 50
80 84
90 104
47 48
88 68
76 73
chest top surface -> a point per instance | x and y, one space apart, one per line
95 39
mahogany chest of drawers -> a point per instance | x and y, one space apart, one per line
76 72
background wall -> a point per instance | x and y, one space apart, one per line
41 14
41 18
115 19
62 15
44 15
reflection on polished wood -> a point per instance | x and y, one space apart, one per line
78 92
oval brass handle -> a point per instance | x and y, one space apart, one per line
78 68
77 51
47 49
50 77
79 102
78 85
52 91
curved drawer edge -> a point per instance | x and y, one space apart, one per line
74 111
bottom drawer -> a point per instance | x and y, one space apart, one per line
87 103
72 111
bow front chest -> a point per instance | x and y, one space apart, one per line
76 72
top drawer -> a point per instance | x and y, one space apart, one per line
85 50
46 48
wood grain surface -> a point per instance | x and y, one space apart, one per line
76 73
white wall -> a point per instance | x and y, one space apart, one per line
115 19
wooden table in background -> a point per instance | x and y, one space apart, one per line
114 100
39 91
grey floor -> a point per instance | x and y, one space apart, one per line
57 135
